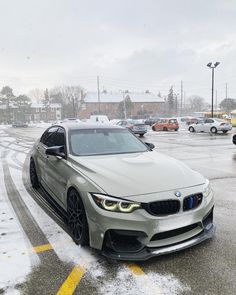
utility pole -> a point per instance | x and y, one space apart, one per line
226 90
181 98
125 113
74 110
98 88
216 100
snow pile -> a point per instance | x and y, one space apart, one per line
125 282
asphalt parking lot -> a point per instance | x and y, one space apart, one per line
37 256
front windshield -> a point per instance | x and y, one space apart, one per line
87 142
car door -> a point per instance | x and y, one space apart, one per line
209 123
56 169
160 125
41 148
199 126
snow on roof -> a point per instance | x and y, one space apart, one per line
118 96
41 105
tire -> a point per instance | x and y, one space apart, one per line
153 128
141 135
33 175
176 129
77 220
213 130
165 129
225 131
191 129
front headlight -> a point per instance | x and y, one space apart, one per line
114 204
207 189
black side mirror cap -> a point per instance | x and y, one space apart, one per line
151 146
57 151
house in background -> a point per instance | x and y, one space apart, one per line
136 105
48 113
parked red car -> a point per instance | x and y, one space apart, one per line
166 125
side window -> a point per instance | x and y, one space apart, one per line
47 135
209 121
59 137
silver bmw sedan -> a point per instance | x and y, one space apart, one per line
119 195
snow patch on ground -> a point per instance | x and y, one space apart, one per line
15 261
43 125
11 291
125 282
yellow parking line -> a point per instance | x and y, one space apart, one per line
42 248
136 269
72 281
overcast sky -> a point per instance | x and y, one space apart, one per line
130 44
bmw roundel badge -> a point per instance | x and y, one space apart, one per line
178 194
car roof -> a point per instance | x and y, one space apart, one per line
82 126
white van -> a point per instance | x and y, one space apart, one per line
99 119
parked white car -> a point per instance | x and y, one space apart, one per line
212 125
99 119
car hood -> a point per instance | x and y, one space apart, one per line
136 174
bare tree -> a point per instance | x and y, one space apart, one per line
196 103
71 98
36 94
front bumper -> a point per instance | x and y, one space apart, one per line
139 235
147 253
139 132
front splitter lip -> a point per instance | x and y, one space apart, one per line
148 253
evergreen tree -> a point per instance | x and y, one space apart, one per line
171 101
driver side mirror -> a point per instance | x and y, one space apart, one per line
151 146
57 151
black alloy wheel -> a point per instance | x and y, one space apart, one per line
213 130
33 175
77 219
191 129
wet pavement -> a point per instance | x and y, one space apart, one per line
61 267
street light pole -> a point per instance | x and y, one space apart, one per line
212 67
98 89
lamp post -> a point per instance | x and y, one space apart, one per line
212 67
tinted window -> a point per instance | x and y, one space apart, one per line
59 137
47 135
209 121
